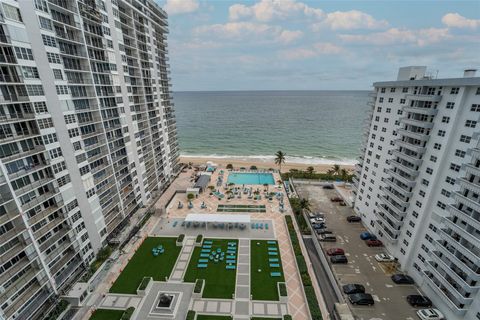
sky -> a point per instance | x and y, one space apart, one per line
316 45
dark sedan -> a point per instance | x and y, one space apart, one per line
417 300
364 299
402 279
352 288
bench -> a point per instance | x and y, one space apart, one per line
272 242
204 255
272 249
230 261
273 260
201 265
273 253
274 265
230 267
202 260
275 274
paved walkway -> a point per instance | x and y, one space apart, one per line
120 301
182 262
242 287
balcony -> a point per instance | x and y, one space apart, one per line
392 238
458 280
448 222
414 147
408 158
457 196
409 181
471 169
401 201
463 182
442 293
463 216
386 222
462 264
411 171
414 135
401 189
424 111
417 123
423 97
454 242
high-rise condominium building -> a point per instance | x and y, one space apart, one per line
417 185
87 136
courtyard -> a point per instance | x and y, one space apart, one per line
218 270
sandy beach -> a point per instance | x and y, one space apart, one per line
222 162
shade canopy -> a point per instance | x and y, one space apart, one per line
219 218
202 182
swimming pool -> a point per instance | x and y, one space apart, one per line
250 178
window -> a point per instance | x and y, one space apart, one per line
433 158
446 119
390 100
61 89
425 182
392 89
57 73
405 90
23 53
35 90
380 99
477 93
418 204
382 90
470 124
45 23
63 180
70 118
437 146
460 153
441 205
53 58
11 12
50 138
379 109
450 105
400 112
429 170
402 101
405 242
450 180
464 138
45 123
415 214
49 41
389 110
55 153
59 167
441 133
454 90
475 108
454 167
445 193
30 72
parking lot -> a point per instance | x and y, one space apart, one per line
362 268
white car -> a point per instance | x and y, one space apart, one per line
383 257
317 220
430 314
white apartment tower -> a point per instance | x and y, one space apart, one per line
418 183
87 136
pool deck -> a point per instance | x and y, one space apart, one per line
241 307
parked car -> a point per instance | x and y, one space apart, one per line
343 204
383 257
327 238
339 259
374 243
317 220
430 314
352 288
335 252
319 226
402 279
367 236
417 300
328 186
361 299
323 231
354 219
336 199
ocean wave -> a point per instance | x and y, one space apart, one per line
269 158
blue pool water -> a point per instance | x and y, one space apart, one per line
250 178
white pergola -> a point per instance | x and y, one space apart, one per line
218 218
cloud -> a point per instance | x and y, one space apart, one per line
455 20
267 10
181 6
317 49
421 37
250 30
348 20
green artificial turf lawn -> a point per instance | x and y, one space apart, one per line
106 314
209 317
257 318
144 264
262 285
219 282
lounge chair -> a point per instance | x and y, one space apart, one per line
274 265
272 253
272 249
230 267
275 274
202 265
203 260
273 260
231 261
204 255
272 242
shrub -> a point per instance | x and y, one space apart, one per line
190 315
287 317
127 314
283 289
313 303
300 174
198 286
180 237
199 238
302 265
306 279
190 196
229 166
143 285
253 167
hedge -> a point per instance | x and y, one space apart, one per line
287 317
299 174
190 315
199 238
180 237
127 314
198 286
302 268
283 289
297 210
143 285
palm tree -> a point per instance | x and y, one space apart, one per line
305 204
344 174
279 159
310 170
335 171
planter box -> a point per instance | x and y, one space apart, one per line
283 299
198 294
143 291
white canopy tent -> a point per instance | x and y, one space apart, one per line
218 218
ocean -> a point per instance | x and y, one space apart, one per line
317 127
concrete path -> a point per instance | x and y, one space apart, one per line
242 287
182 262
120 301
